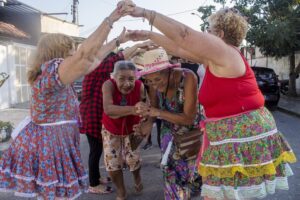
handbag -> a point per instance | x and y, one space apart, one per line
188 143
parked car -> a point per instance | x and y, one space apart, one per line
268 83
78 87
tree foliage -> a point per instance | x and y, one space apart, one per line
274 25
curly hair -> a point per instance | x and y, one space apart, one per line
50 46
232 23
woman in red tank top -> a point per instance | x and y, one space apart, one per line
245 156
120 94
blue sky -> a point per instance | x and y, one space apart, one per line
92 12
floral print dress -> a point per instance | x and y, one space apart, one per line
180 177
44 160
247 157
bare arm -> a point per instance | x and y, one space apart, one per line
170 46
137 48
188 115
209 48
86 57
114 111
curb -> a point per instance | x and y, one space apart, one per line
287 111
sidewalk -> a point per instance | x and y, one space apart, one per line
290 105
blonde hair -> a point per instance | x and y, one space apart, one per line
50 46
233 24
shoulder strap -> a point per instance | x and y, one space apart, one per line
180 90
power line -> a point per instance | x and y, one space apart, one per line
133 20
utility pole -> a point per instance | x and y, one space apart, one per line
74 11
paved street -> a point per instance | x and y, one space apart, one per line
152 176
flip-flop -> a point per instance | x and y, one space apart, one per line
105 180
138 189
100 189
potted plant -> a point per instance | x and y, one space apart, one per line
5 130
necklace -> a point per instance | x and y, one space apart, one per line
123 101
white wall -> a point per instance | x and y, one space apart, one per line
280 66
54 25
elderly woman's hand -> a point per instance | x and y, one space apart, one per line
154 112
131 9
127 7
142 108
147 45
138 35
124 36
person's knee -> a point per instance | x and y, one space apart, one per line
115 174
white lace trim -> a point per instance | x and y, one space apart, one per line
42 183
239 164
6 190
247 139
246 192
59 123
31 195
27 195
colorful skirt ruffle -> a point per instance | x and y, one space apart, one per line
44 162
247 157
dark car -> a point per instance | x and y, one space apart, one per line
268 83
78 87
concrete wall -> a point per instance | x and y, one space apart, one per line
53 25
280 66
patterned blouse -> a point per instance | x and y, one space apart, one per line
51 100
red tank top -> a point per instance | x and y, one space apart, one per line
222 97
123 125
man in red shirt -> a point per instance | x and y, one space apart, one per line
91 110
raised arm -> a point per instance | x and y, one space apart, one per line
169 45
89 55
211 49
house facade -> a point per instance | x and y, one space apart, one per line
21 26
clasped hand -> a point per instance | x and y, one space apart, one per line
145 110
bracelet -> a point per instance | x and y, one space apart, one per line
152 17
117 42
110 24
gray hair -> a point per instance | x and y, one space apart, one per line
123 65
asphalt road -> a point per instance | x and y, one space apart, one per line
152 178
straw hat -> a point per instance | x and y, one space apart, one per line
153 61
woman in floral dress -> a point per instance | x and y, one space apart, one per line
172 96
44 160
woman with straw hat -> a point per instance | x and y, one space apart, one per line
175 103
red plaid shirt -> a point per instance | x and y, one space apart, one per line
91 107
